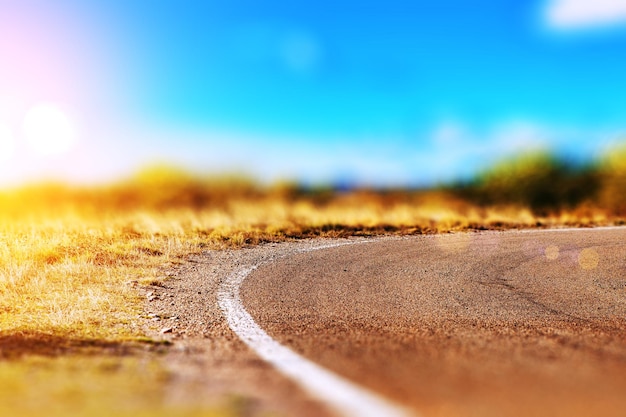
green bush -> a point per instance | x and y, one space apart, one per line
539 180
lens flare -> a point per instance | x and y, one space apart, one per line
48 130
588 258
552 252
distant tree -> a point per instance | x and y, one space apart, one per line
538 180
612 170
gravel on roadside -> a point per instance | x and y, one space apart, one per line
208 364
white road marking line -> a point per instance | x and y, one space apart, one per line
342 395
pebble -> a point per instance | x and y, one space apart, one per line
166 330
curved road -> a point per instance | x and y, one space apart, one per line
483 324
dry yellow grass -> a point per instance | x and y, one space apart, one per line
93 386
68 267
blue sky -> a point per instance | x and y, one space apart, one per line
380 93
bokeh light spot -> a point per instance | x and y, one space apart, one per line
552 252
7 143
588 258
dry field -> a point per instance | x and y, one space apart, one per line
72 261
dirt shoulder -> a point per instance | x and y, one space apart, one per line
208 363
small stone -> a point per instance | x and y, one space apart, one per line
166 330
152 298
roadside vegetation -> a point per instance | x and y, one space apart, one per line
72 258
95 386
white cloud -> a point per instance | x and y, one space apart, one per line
585 14
504 138
521 136
448 151
458 151
449 133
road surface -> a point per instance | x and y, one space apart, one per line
480 324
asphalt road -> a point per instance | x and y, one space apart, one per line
484 324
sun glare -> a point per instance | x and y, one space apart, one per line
7 142
48 131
